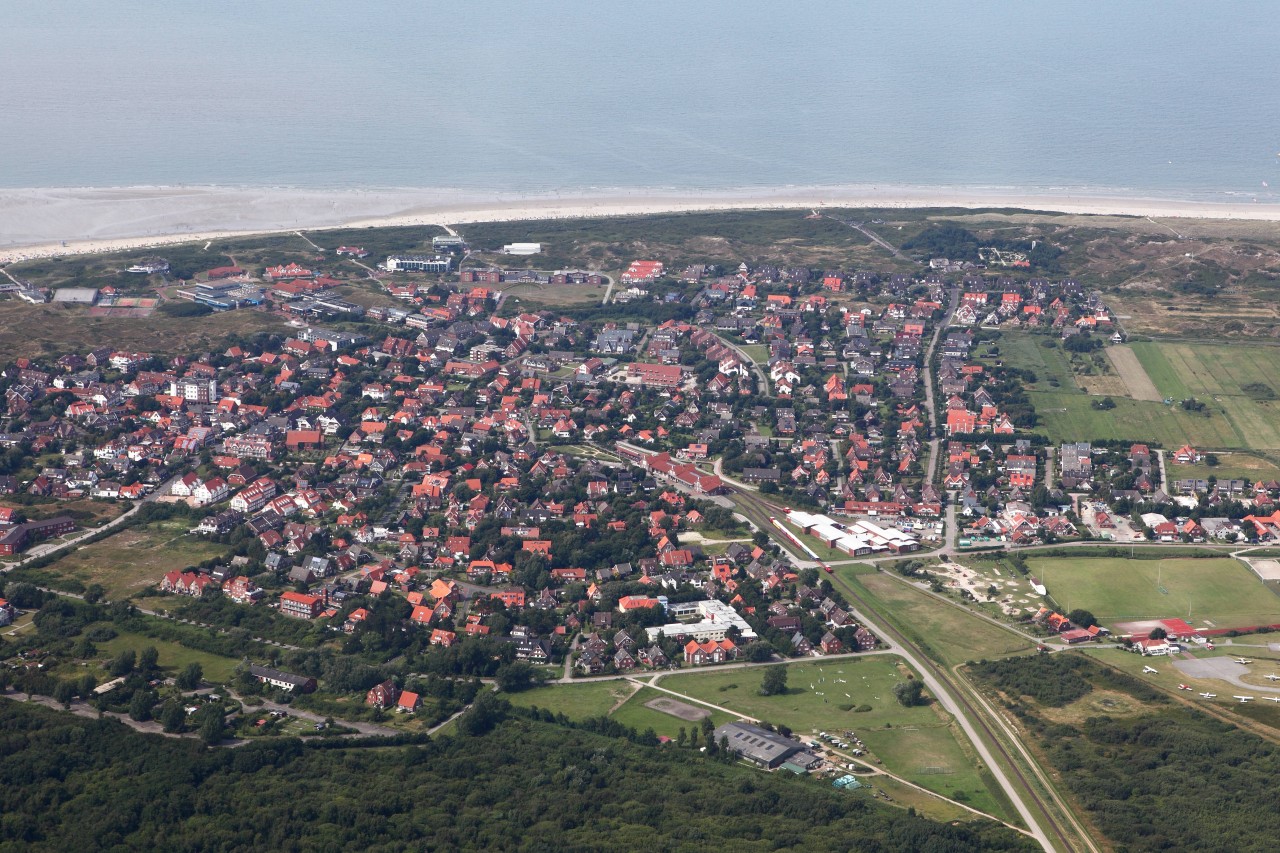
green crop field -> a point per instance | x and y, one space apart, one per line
1071 417
919 743
1221 592
136 558
1217 376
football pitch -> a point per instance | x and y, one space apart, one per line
1218 592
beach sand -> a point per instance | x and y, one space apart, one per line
56 222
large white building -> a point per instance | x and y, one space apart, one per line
708 620
419 263
856 537
522 249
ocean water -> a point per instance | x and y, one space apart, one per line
1171 99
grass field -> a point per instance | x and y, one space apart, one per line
135 559
575 701
1222 593
949 632
1026 352
173 657
1071 417
759 353
921 743
1231 465
1216 375
637 716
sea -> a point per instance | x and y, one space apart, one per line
1173 99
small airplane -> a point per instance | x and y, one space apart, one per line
1272 677
1272 698
1243 699
1209 695
1151 670
1184 687
1242 661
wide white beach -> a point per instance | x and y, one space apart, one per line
36 223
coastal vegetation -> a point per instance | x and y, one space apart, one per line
524 784
1129 769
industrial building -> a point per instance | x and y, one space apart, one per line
763 747
857 537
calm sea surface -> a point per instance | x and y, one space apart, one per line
1174 98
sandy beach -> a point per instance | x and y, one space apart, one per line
56 222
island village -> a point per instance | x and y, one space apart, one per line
395 506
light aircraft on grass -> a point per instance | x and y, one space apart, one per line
1272 698
1184 686
1151 670
1272 677
1242 661
1209 695
1243 699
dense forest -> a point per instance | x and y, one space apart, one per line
67 782
1171 778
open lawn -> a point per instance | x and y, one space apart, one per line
950 633
920 743
135 559
1071 417
759 353
575 701
1231 466
636 715
554 294
173 657
1027 352
1221 592
1231 378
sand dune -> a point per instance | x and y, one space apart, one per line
52 222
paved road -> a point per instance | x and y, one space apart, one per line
760 374
362 727
935 441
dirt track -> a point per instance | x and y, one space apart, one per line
1134 375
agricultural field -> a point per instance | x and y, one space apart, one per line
1221 592
946 630
1071 417
1239 380
135 559
921 743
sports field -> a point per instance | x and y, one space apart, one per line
1220 592
921 743
1219 375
